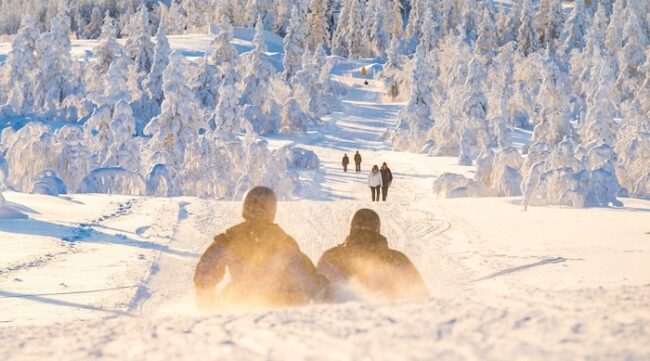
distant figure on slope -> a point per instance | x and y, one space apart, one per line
366 266
357 161
345 162
364 72
386 180
266 266
375 182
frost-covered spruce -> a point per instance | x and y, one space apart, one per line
600 127
20 65
379 30
172 19
417 117
317 25
487 41
222 49
475 136
124 152
138 46
153 83
549 20
575 28
205 82
526 35
631 57
294 44
179 121
340 39
53 74
106 51
227 109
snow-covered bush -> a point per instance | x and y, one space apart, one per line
47 183
113 180
303 158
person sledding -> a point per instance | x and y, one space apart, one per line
364 267
364 72
265 265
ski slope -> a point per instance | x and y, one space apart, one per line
98 276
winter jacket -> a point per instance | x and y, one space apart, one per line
374 179
365 264
386 177
357 158
265 266
346 160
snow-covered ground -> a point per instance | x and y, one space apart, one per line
100 276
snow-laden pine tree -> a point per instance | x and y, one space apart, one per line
340 39
94 27
197 12
153 83
226 112
52 79
553 123
222 49
600 127
416 17
487 41
526 35
429 39
631 57
549 20
357 42
205 82
173 18
260 11
138 46
475 136
417 117
394 19
317 26
294 44
513 23
179 121
105 52
575 28
614 37
124 152
379 32
20 65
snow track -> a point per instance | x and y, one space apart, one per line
97 276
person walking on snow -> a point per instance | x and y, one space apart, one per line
345 162
365 265
357 161
266 266
375 182
386 180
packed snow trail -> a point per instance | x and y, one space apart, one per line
96 276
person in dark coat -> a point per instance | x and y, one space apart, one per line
357 161
345 162
265 265
365 265
386 180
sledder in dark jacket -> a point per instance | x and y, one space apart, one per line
265 265
365 265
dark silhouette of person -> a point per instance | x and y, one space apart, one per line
366 266
386 180
265 265
345 162
357 161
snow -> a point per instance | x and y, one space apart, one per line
91 276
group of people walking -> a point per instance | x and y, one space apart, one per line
379 179
267 269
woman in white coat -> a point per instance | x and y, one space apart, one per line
375 183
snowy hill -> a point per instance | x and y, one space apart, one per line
100 276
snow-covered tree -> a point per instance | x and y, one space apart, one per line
379 31
52 80
575 28
153 83
475 136
20 65
138 46
317 26
548 22
94 27
294 44
631 57
205 82
124 152
341 41
487 41
106 50
222 49
173 19
526 35
179 121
